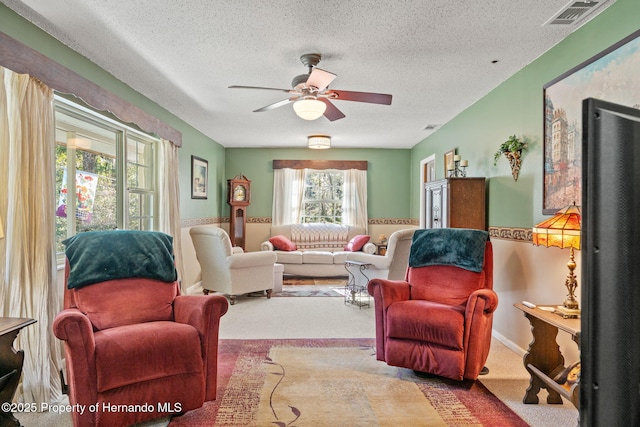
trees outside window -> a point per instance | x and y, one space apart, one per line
323 196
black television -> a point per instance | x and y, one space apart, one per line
610 320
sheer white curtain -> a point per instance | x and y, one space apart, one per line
169 198
354 204
288 191
28 268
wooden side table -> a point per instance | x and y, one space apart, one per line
10 364
382 248
544 360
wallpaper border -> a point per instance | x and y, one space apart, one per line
511 233
267 220
505 233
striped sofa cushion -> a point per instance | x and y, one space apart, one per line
319 235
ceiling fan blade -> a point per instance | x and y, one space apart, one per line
320 78
373 98
276 104
332 113
262 88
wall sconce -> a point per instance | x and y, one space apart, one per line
319 142
309 108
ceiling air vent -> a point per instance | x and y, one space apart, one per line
574 12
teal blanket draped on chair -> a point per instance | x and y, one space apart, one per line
98 256
460 247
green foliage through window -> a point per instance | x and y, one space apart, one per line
323 195
96 189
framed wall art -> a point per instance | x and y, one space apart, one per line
448 160
612 75
199 178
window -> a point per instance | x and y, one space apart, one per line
323 196
105 175
320 191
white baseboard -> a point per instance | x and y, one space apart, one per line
509 344
195 289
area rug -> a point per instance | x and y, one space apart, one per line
295 286
310 291
314 281
336 382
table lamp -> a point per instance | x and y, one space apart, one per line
563 230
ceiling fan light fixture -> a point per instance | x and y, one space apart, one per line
319 142
309 108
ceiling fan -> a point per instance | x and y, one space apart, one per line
311 96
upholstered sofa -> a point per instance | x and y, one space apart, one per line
316 249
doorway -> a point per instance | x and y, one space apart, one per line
427 174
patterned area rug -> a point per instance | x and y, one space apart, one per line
311 291
294 286
336 382
313 281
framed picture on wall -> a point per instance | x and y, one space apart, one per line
448 160
612 75
199 178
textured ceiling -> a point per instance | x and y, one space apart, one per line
435 57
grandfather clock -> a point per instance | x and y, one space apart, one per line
239 192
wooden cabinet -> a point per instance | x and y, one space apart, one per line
456 203
10 365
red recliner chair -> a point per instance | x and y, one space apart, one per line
439 319
135 348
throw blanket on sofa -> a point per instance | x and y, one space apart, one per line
98 256
318 235
459 247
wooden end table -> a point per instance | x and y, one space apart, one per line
544 360
10 364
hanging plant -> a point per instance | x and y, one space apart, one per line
512 149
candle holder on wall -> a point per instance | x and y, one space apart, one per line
457 169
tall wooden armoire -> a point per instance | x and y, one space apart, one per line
456 203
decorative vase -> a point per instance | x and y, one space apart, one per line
515 161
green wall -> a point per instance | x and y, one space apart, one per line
388 182
194 142
516 107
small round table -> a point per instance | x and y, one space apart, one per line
357 294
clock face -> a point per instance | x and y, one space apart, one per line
239 193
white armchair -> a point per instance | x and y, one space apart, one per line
392 265
229 270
